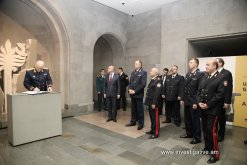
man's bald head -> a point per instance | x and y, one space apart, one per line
39 65
110 69
154 72
211 66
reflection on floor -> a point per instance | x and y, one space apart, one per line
123 117
83 143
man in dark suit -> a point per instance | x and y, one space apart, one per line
124 82
191 111
172 93
151 100
112 93
228 98
137 84
211 94
161 100
100 84
38 79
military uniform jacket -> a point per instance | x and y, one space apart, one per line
153 92
173 87
100 84
227 80
124 82
138 82
35 79
191 87
112 87
212 92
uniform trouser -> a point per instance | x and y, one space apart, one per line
137 111
100 100
173 109
155 120
111 106
160 105
122 100
209 127
192 122
222 122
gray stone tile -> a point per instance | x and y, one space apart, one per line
134 157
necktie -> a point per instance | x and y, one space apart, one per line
110 77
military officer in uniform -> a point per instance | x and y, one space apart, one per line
38 79
191 111
124 82
151 100
172 93
211 94
137 84
161 100
228 98
100 84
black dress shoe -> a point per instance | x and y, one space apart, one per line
220 139
124 109
152 137
130 124
211 160
186 136
166 121
115 120
108 120
194 141
139 127
149 132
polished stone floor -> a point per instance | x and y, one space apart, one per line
85 143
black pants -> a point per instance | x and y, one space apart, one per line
173 110
155 120
122 100
111 106
222 122
209 127
160 105
192 122
101 100
137 111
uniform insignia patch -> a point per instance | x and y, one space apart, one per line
225 83
158 85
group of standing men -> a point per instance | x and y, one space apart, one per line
204 95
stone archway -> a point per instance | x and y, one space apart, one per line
21 20
108 50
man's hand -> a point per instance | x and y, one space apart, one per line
118 96
49 89
179 98
98 92
104 95
226 106
36 89
163 96
153 106
182 102
194 106
131 91
203 106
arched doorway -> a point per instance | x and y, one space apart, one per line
108 50
39 20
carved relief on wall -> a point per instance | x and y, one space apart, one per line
13 62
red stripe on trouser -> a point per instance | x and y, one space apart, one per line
215 139
156 122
